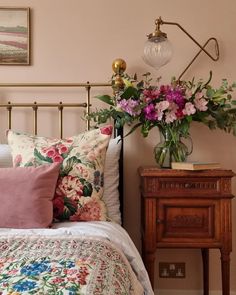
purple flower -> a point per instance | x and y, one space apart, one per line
150 112
129 106
173 94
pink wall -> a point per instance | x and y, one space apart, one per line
76 41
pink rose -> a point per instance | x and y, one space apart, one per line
106 130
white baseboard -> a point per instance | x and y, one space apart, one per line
188 292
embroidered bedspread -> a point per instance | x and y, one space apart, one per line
64 265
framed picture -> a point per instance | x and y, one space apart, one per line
14 36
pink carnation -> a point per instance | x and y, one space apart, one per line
189 109
171 114
200 102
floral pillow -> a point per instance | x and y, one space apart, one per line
79 190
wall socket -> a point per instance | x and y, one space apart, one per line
172 270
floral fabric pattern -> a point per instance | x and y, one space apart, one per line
79 188
61 265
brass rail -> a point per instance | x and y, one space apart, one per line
35 106
55 84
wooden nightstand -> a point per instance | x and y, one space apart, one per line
187 209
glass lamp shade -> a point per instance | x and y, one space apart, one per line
157 51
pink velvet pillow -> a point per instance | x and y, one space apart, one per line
26 195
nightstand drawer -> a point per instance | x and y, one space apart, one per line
196 219
182 186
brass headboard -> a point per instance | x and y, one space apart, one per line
118 65
36 105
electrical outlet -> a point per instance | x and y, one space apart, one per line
172 270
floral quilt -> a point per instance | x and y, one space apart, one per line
64 265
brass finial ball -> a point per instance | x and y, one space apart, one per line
118 83
119 66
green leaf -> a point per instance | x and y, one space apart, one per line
70 205
140 84
210 92
212 124
130 92
40 157
106 98
29 164
69 165
87 189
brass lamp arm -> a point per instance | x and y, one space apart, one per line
159 22
191 62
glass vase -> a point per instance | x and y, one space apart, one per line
171 148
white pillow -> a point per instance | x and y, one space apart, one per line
5 156
111 175
111 179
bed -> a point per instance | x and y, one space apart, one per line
61 209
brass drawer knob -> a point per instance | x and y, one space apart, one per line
159 221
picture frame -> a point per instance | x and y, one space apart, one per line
14 36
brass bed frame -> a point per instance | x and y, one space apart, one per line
118 66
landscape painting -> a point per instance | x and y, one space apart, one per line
14 36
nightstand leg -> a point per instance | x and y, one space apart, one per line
149 262
225 271
205 262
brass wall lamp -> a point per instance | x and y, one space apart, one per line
158 49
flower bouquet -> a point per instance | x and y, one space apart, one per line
171 108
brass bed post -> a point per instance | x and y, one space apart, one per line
60 108
9 108
88 88
35 110
119 67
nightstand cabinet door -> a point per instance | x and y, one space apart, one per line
182 220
